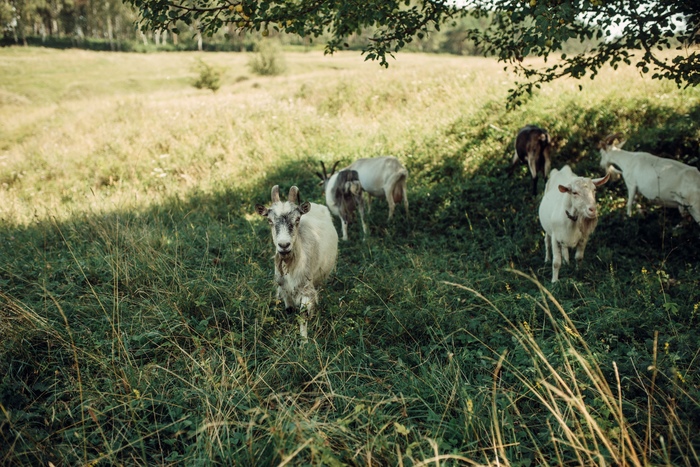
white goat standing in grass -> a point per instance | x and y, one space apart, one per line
343 192
383 177
568 215
664 181
306 250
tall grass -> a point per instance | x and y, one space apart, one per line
137 308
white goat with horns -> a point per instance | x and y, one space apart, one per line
306 246
664 181
568 215
343 192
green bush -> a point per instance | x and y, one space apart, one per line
268 59
209 76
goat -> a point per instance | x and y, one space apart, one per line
568 215
343 192
533 147
306 250
383 177
666 182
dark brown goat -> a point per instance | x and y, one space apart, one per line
532 147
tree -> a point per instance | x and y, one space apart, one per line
657 36
621 30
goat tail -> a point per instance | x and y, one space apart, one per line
398 185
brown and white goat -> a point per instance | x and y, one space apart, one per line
532 147
667 182
568 215
306 250
343 192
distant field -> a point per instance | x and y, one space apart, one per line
136 301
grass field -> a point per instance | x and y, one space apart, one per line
137 311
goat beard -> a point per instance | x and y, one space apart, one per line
281 262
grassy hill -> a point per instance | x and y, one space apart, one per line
137 310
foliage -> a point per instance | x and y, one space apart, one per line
518 29
627 32
268 59
137 303
209 76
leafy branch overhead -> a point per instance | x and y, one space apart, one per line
657 36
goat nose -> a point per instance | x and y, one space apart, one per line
284 245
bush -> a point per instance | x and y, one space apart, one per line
268 59
209 76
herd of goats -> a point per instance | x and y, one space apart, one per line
306 240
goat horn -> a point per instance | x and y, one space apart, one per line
325 175
275 193
334 166
293 195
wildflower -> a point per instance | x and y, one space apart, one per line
644 270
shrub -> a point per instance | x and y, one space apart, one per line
209 76
268 59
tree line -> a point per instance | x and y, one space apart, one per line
114 25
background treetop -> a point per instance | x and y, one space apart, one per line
617 30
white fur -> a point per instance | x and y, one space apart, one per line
304 259
383 177
664 181
568 215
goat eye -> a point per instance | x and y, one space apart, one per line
269 221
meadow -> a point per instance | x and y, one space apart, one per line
137 311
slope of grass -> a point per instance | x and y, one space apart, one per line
137 308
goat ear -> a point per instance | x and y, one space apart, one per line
601 181
275 193
621 143
293 196
260 209
323 179
305 207
564 189
614 168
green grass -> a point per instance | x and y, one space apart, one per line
137 307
